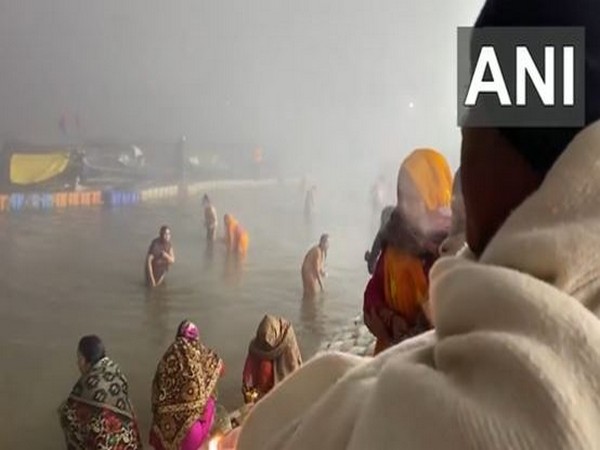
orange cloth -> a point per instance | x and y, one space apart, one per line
405 288
241 241
230 228
236 238
430 173
401 283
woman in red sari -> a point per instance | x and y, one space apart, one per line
272 355
395 300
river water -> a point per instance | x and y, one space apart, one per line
74 272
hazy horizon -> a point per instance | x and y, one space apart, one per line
308 81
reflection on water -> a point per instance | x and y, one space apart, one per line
75 272
234 269
312 317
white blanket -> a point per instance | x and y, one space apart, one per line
516 364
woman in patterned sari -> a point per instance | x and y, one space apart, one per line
183 392
396 297
98 413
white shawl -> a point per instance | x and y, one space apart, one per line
516 364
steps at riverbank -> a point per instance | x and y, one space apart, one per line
354 338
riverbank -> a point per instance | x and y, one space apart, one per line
354 338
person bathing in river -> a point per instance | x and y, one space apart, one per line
309 203
183 392
98 412
273 354
159 258
236 237
210 219
395 299
313 268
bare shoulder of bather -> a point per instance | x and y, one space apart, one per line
310 259
320 260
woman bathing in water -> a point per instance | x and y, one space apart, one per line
159 258
236 237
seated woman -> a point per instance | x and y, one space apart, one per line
183 392
98 412
159 258
395 299
272 355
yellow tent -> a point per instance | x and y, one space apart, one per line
33 168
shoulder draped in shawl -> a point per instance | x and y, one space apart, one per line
276 341
185 379
98 413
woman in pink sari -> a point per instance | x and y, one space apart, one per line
183 393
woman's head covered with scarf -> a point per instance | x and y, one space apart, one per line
425 177
184 383
188 330
276 341
424 190
501 167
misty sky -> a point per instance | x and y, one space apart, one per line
312 79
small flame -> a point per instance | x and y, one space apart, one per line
213 444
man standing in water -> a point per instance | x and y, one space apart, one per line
313 267
210 219
160 257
